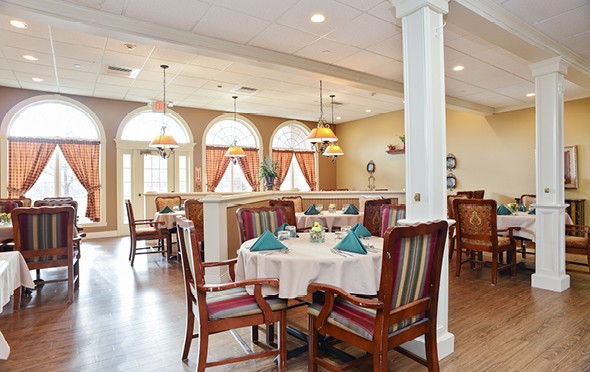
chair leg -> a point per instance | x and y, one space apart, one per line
431 349
254 333
494 268
458 263
16 299
588 257
190 328
133 250
203 349
312 344
283 342
513 262
270 334
380 359
71 282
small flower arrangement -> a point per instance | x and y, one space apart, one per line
316 234
5 218
513 207
332 208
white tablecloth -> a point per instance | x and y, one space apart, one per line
13 274
526 222
6 232
311 262
328 219
168 218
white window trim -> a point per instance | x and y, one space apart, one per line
8 121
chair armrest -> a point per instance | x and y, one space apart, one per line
148 222
333 290
577 230
231 263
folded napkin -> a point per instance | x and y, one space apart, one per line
503 211
351 243
532 211
360 230
311 210
283 227
166 209
351 209
267 242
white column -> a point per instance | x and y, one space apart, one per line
215 227
550 207
425 126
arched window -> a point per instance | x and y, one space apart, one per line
223 174
54 149
296 160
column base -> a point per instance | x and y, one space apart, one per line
445 345
550 283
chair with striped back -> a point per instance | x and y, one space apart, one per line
7 205
405 307
62 202
58 198
390 214
45 238
289 209
193 209
372 217
297 202
253 221
170 201
223 307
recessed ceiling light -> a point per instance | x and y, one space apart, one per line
318 18
458 68
38 80
368 110
18 24
29 57
338 117
77 65
530 94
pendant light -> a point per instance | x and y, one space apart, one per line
235 151
334 149
163 142
321 136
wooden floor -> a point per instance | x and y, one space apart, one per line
131 319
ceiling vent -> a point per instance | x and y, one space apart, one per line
246 90
122 71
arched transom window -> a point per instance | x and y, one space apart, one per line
296 160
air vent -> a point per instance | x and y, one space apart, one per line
122 71
246 90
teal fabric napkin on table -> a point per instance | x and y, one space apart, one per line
267 242
351 209
361 231
166 209
283 227
351 243
532 211
311 210
503 211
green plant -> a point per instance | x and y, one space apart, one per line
268 168
402 138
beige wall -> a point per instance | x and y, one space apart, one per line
495 153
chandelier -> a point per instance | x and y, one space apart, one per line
333 149
165 144
235 151
322 136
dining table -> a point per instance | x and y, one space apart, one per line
526 223
328 219
14 274
169 220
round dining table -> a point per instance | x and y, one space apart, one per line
328 219
525 221
308 262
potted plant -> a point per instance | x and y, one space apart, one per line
269 170
403 139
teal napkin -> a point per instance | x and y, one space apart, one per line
311 210
503 211
267 242
351 209
351 243
283 227
166 209
360 230
532 211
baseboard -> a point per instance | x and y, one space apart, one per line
102 234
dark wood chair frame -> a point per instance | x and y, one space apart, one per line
576 232
193 210
297 202
242 228
372 216
170 201
158 234
385 314
196 293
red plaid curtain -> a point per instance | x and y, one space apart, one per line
27 157
217 164
306 160
250 165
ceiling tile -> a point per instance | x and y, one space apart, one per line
248 28
543 9
374 31
178 14
268 10
283 39
327 51
567 24
364 61
391 48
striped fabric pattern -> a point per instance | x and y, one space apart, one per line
44 231
237 302
256 222
389 217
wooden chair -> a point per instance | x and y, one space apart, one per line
478 194
143 230
7 205
372 217
477 231
193 210
465 194
45 238
170 201
297 202
527 200
27 202
405 308
289 206
223 307
451 215
363 199
253 221
58 198
62 202
390 214
577 241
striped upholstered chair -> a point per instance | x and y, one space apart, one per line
405 308
390 214
253 221
223 307
45 238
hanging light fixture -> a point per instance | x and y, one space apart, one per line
321 136
235 151
334 149
163 142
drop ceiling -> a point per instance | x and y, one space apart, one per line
269 53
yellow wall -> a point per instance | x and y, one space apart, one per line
495 153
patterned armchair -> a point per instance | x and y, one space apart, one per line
451 215
405 308
45 238
193 209
372 217
170 201
477 231
577 241
223 307
253 221
390 214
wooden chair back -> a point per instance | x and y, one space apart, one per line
142 230
390 215
477 223
372 217
193 210
289 206
27 202
478 194
465 194
253 221
527 200
60 202
6 206
577 241
363 199
170 201
58 198
450 198
297 202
